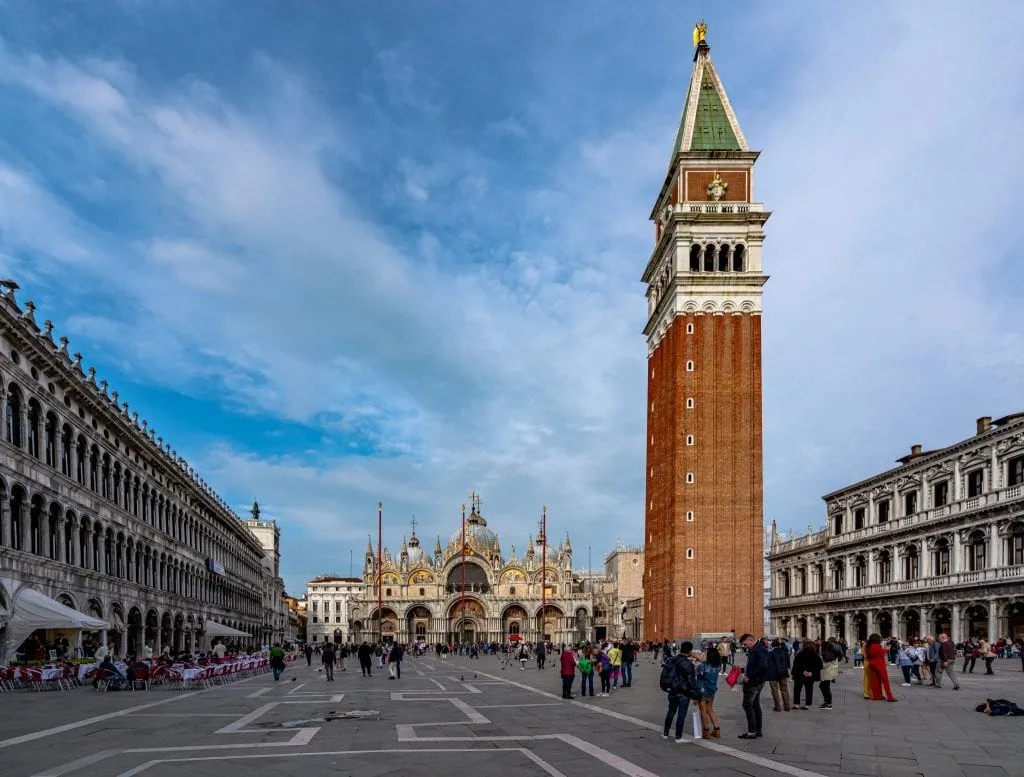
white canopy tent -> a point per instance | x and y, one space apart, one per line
214 629
28 610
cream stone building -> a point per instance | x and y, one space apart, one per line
275 626
328 607
933 545
98 512
433 598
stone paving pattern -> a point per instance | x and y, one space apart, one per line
498 722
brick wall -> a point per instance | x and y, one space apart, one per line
726 534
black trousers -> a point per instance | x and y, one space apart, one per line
825 686
364 664
805 685
329 670
567 685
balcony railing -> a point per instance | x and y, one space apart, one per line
954 580
907 521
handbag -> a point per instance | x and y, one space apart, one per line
734 676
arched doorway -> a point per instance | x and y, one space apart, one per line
383 628
550 620
976 621
418 623
465 621
801 628
166 630
860 627
134 631
177 636
942 621
190 630
911 620
885 623
1015 619
582 632
839 627
513 621
152 627
357 632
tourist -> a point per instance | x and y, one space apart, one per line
277 660
707 680
807 665
831 653
944 665
754 675
604 670
567 669
987 654
905 661
615 659
327 657
523 654
586 666
877 670
628 657
779 682
395 656
309 655
681 686
365 654
542 657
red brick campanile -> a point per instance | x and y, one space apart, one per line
704 510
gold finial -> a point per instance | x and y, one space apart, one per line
700 32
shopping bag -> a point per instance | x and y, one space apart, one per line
734 676
698 732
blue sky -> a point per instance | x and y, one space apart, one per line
350 252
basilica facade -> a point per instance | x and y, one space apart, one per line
471 592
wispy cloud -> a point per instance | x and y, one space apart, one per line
428 256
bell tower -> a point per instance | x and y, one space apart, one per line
704 279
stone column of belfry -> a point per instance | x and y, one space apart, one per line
704 511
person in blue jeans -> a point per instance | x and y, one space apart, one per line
679 695
628 657
277 660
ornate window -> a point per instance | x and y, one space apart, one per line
885 567
1015 556
1015 471
50 440
14 416
695 258
941 557
33 428
65 450
975 482
910 503
940 494
858 518
976 551
882 509
911 563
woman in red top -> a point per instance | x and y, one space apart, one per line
878 672
567 662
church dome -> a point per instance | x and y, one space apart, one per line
415 552
478 536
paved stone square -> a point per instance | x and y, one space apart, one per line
474 717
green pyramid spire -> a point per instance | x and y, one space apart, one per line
708 122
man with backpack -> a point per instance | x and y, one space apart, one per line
679 681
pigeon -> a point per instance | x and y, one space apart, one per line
461 678
293 679
474 675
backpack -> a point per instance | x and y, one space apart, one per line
585 666
673 680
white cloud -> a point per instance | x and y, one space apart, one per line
889 163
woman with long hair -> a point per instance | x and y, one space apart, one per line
877 670
707 678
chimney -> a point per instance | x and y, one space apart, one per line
915 451
984 424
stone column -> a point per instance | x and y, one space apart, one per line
895 509
60 540
995 549
993 620
996 476
5 521
957 489
958 561
897 564
26 526
955 627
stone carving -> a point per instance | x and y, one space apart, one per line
717 189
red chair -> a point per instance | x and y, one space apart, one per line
136 676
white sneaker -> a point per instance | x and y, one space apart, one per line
682 741
664 736
905 685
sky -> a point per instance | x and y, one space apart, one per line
342 253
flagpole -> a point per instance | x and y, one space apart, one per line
380 568
544 570
462 624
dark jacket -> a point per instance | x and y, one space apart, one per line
947 650
395 656
687 672
807 661
364 653
780 663
327 656
628 653
758 669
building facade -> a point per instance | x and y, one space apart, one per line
99 513
472 596
624 582
275 608
328 608
704 506
933 545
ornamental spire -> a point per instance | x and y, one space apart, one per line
708 122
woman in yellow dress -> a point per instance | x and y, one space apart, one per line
867 674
